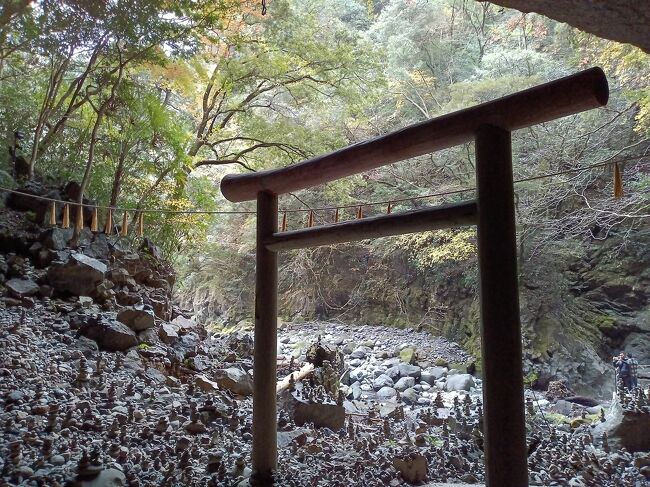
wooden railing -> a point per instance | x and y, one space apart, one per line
489 125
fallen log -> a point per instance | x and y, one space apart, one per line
301 374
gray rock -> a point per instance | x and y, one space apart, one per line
638 345
137 318
404 383
381 382
393 372
20 288
625 428
109 334
183 324
57 460
355 391
386 393
358 374
432 374
167 333
80 275
361 352
459 382
235 380
410 396
110 477
56 238
406 370
322 415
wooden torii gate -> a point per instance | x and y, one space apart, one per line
489 125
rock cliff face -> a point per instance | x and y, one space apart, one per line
583 307
618 20
581 302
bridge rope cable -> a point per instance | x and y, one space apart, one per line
391 201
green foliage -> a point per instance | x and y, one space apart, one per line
431 249
531 378
215 87
434 441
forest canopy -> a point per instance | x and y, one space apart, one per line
148 104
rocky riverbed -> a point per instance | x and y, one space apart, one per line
73 415
105 382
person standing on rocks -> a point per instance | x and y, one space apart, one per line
634 367
623 370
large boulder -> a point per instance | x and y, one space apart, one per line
56 238
168 333
109 334
183 325
404 383
235 380
459 382
79 275
24 202
20 288
138 318
322 415
406 370
386 393
432 374
382 381
625 428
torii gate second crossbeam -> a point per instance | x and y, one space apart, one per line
489 125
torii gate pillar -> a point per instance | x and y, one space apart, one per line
503 388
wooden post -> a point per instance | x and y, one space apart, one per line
265 449
108 229
503 391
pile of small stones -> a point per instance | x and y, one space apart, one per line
72 415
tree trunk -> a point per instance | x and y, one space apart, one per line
93 138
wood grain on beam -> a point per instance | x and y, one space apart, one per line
444 216
572 94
